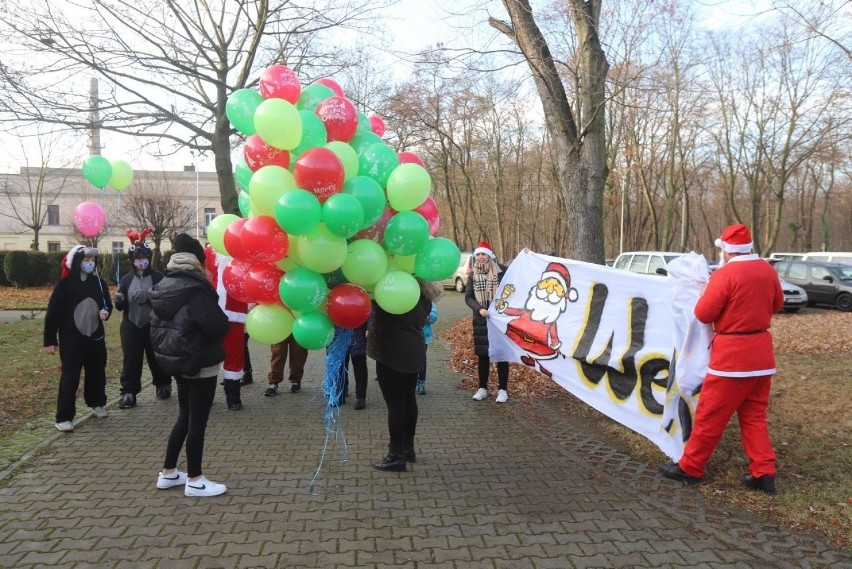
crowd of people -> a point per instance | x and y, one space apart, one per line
189 329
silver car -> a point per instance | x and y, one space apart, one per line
459 279
795 297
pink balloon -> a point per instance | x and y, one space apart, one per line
89 218
279 82
331 84
377 125
376 232
340 118
410 158
259 154
429 210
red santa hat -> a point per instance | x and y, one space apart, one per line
735 239
485 247
560 272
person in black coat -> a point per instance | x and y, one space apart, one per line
76 311
479 293
397 344
187 327
132 298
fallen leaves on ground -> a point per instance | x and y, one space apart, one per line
813 332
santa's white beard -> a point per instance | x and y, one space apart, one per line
542 309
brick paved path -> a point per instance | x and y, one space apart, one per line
508 486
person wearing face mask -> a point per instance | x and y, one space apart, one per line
132 299
76 311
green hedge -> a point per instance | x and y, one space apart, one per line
16 265
3 280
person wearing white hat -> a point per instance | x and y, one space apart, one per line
739 302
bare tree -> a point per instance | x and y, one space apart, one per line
169 66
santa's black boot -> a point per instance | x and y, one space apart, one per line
232 394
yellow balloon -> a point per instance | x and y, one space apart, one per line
266 186
321 250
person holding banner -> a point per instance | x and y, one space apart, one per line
480 291
739 302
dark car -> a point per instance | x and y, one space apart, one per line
825 283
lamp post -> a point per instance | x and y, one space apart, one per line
197 218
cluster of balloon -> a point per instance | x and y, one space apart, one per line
332 216
89 217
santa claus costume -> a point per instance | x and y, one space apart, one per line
739 302
234 341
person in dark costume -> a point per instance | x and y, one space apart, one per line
132 299
76 311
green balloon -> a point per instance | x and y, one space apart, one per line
298 211
267 185
97 170
408 187
216 231
378 161
313 134
367 191
321 250
312 95
405 262
313 330
364 122
437 260
278 124
242 173
348 157
365 262
343 215
397 292
244 203
406 233
240 109
362 140
122 175
269 324
302 289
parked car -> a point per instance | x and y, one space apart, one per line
646 262
825 283
844 258
459 279
795 297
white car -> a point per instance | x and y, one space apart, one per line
795 297
459 279
646 262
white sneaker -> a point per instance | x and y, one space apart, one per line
176 478
65 426
100 412
481 394
204 487
502 396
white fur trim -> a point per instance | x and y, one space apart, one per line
69 258
754 373
232 375
488 252
236 317
729 248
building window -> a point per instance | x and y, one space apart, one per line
53 246
209 214
53 214
118 246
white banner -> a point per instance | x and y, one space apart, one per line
610 337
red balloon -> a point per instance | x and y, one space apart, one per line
235 277
429 210
232 241
319 171
348 305
331 84
279 82
262 283
377 125
410 158
376 232
263 239
340 118
259 154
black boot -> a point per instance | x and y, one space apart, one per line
232 395
247 378
391 463
765 483
409 455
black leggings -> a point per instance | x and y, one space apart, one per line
484 368
398 389
195 399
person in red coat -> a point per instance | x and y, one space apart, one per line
739 302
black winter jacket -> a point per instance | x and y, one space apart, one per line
480 323
186 323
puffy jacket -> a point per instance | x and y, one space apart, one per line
186 323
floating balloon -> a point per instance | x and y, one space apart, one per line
429 210
365 262
377 125
231 239
331 84
313 330
258 154
408 187
437 260
321 250
266 187
348 305
406 233
122 175
376 232
410 158
302 289
362 140
89 218
278 124
279 82
244 203
312 96
269 324
262 283
263 241
319 171
369 193
240 108
97 170
298 211
313 133
397 292
242 173
216 231
348 157
378 161
343 215
340 118
235 277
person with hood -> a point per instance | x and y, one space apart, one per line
187 328
132 299
76 311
